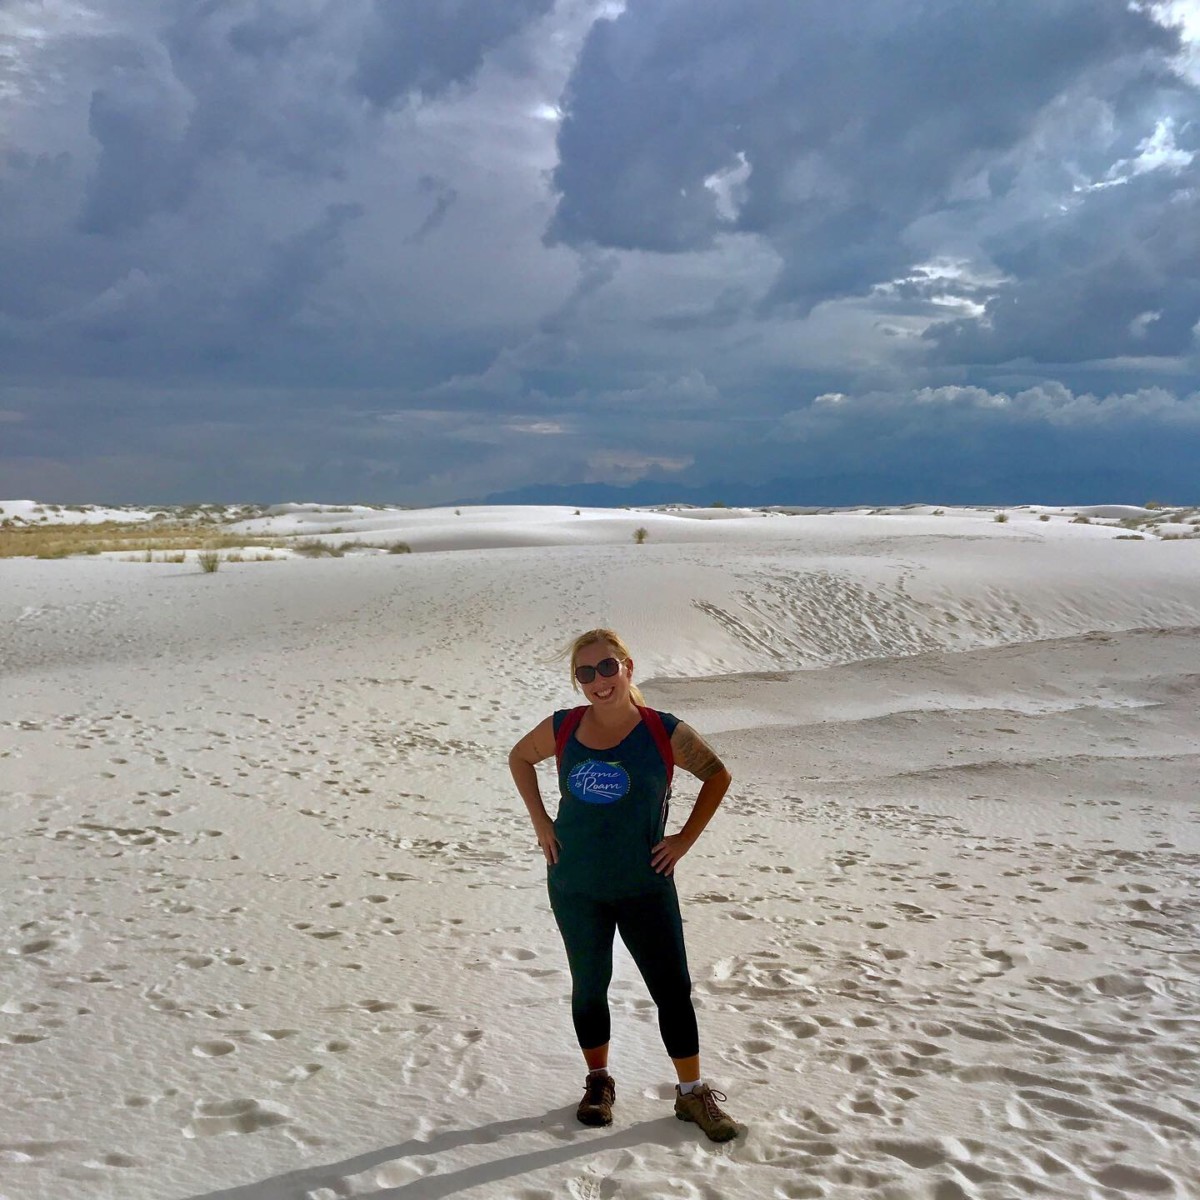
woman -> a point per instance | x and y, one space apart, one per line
610 862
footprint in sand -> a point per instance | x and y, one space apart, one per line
214 1049
214 1118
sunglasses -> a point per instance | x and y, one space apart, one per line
607 667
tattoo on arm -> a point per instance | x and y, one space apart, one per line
694 754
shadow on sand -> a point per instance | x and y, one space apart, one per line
559 1123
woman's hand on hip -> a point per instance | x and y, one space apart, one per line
547 839
668 852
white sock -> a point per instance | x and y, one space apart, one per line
684 1088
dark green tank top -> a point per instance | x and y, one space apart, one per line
612 811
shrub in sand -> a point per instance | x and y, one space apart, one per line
641 534
1044 517
1001 518
315 548
399 548
1083 519
209 561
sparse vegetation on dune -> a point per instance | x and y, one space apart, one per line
61 541
315 548
169 537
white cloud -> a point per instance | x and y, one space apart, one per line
1156 152
728 185
1049 403
538 428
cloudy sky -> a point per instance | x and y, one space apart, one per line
433 250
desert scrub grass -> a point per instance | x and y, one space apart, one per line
1044 517
399 548
1129 537
61 541
209 560
640 535
1001 518
315 548
1082 519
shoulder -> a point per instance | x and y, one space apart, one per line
693 753
561 714
670 721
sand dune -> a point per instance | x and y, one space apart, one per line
277 926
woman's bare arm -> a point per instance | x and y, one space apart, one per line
697 757
533 748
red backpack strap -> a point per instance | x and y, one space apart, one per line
658 731
569 724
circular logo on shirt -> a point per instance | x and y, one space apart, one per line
598 782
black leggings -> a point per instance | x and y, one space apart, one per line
652 929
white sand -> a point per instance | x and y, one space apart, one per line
276 924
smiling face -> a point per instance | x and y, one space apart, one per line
610 693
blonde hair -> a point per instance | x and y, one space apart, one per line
612 638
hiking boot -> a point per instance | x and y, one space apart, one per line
700 1106
599 1092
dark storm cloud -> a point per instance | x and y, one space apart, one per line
177 192
296 264
1119 276
269 82
855 121
139 117
215 85
422 250
425 47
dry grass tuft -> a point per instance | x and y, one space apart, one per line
315 548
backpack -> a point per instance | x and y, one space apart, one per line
658 731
